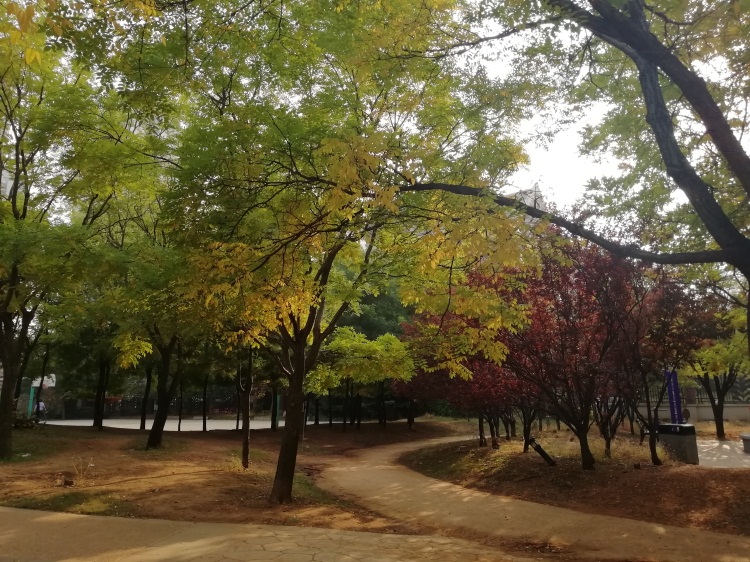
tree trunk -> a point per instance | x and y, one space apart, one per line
144 406
42 376
652 438
295 401
244 389
317 411
494 426
330 409
352 404
345 406
205 404
381 404
179 410
165 391
587 458
358 410
274 407
718 411
482 438
410 415
7 410
101 392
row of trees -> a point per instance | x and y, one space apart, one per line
205 179
602 332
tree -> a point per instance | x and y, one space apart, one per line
717 364
682 133
577 309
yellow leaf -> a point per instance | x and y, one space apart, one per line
31 55
25 18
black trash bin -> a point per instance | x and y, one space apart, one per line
681 441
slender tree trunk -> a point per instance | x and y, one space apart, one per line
295 401
42 376
179 410
146 393
101 392
317 411
274 407
482 438
358 409
352 404
244 389
381 403
330 408
239 412
410 416
205 403
345 406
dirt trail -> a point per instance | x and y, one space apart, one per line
375 480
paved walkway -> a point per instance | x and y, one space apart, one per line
375 480
722 454
27 535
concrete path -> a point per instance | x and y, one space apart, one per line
722 454
374 480
27 535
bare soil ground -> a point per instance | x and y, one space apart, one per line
198 477
195 477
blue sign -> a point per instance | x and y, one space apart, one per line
675 401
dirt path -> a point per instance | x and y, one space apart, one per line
374 480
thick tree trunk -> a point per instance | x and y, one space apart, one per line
587 458
7 409
295 401
146 393
101 392
718 411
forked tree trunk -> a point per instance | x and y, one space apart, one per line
165 391
482 437
295 402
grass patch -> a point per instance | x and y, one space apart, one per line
76 501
